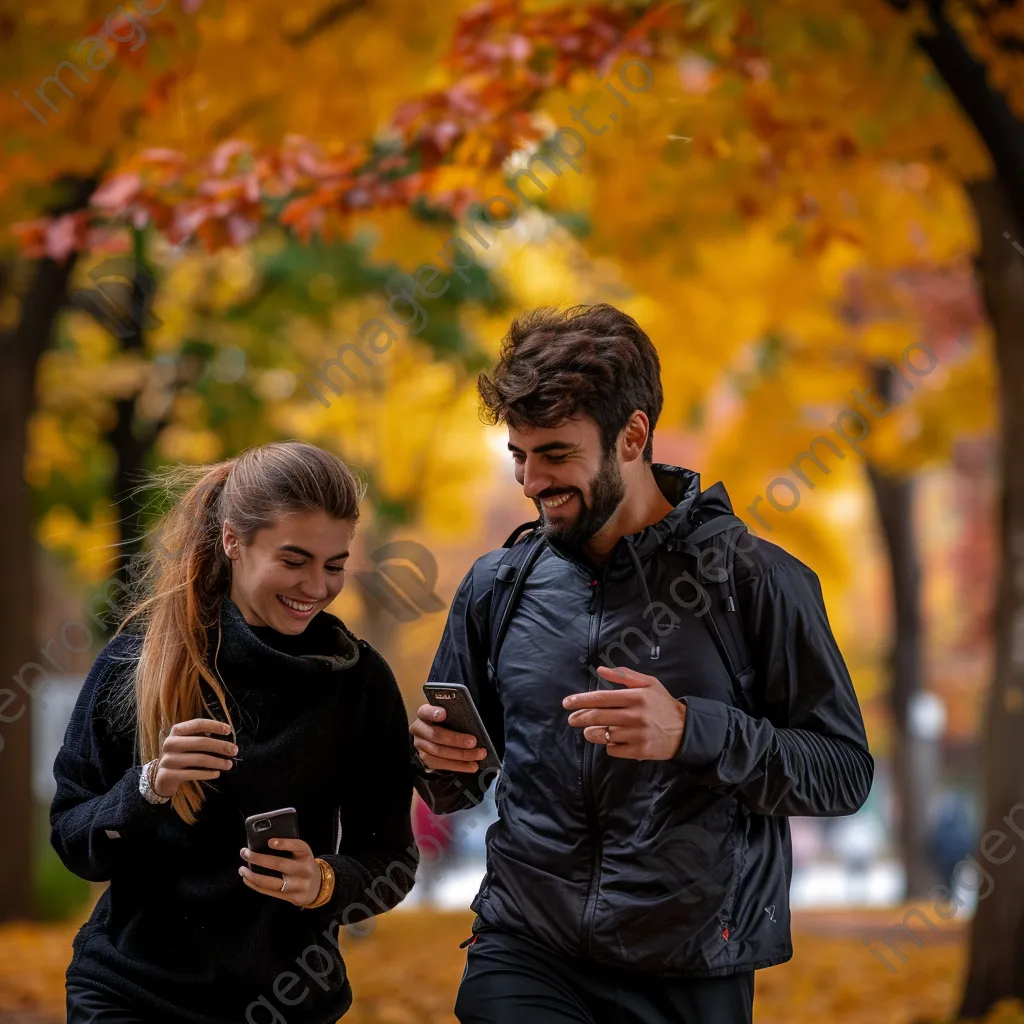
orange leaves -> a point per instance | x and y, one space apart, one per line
407 968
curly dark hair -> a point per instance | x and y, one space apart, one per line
591 359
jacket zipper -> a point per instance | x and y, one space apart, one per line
589 752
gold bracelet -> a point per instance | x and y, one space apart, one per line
326 889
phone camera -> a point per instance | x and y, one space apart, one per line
261 826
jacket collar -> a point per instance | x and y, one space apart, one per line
324 647
682 488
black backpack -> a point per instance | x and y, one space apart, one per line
724 616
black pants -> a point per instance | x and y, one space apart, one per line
87 1006
509 980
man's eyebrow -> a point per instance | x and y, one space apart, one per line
309 554
541 448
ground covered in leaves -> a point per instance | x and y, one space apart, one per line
407 972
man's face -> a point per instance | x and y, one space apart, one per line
575 486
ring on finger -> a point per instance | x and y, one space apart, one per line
607 734
284 883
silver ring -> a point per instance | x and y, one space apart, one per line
607 734
284 883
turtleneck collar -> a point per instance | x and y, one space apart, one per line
323 648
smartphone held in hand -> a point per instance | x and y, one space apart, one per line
261 828
461 715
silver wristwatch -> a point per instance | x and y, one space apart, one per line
146 787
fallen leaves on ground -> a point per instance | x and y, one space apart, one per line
407 971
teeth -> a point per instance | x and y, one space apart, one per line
298 607
555 502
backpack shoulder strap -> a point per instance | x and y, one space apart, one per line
520 555
714 541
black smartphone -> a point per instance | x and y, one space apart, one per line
261 828
462 716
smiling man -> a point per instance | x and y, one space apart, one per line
639 869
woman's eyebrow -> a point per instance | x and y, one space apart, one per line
309 554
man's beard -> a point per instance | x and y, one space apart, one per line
607 489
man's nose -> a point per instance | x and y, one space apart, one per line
535 479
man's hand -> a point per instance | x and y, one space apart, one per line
443 749
645 721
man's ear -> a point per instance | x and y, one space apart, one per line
634 436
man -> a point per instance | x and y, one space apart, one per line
639 869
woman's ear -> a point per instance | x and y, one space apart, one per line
229 539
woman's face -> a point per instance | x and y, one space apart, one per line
290 571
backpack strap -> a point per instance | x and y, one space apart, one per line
519 558
725 617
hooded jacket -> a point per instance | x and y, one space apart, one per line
678 867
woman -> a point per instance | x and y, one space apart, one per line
229 691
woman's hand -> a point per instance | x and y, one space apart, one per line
301 872
186 754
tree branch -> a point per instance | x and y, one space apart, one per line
987 109
323 21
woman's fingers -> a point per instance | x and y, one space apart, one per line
176 761
299 872
299 848
270 884
195 726
191 774
199 744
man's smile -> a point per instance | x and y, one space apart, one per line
556 502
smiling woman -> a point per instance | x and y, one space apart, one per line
228 693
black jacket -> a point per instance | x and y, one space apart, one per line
677 867
177 935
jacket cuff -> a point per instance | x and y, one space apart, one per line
132 814
704 733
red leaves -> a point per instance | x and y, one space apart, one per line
502 61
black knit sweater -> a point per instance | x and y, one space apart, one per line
177 935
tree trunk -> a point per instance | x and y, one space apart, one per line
131 437
19 355
913 777
996 957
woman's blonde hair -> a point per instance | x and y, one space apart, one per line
185 578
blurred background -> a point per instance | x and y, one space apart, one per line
215 219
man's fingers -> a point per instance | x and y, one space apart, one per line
603 699
446 764
448 752
625 676
429 713
621 736
442 737
602 717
